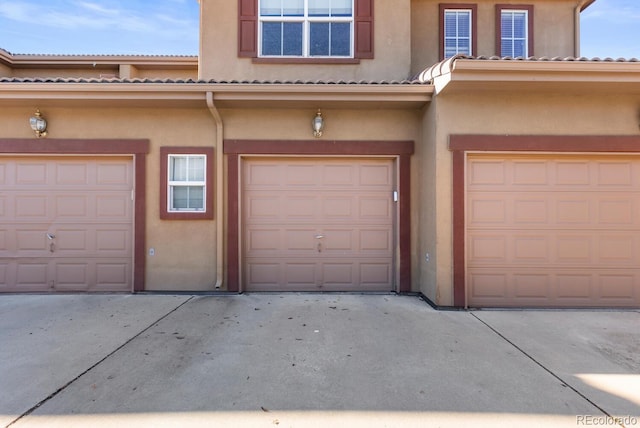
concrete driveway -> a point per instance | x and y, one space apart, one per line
307 360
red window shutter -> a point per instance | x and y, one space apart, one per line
248 28
364 29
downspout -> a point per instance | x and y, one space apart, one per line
219 190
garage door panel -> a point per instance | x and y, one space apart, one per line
32 274
31 242
32 207
113 208
618 287
314 223
72 276
113 175
262 240
263 207
376 276
376 176
487 285
112 240
553 230
30 173
111 275
574 285
530 249
63 217
487 210
376 240
487 248
338 175
530 211
616 212
338 275
297 240
375 208
301 207
338 207
71 173
70 240
531 286
72 206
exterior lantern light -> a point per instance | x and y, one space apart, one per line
38 124
318 124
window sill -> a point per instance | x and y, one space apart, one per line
306 60
203 215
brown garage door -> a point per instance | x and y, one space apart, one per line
66 224
553 230
318 224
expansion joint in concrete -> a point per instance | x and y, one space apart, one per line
72 381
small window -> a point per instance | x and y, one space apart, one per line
186 183
306 29
457 30
515 31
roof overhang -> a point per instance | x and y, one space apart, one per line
225 95
22 61
569 75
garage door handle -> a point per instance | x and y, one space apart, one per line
50 236
319 236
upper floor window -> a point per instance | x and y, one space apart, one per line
457 30
306 28
515 30
303 30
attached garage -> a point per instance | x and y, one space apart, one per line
557 229
319 215
67 224
318 224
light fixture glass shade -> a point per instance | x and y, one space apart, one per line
318 125
38 124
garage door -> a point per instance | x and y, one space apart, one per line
318 224
553 230
66 224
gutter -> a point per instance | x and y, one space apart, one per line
219 190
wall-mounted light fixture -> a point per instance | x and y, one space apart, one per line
38 124
318 124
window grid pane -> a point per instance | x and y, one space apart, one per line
325 26
514 37
457 32
186 183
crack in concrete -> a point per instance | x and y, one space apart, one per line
542 366
110 354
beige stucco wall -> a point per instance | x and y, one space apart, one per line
185 251
554 29
185 256
340 124
498 113
5 71
219 48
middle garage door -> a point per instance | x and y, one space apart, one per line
318 224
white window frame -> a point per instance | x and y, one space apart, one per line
512 12
458 37
171 184
306 21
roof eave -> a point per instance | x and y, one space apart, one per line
225 95
464 74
